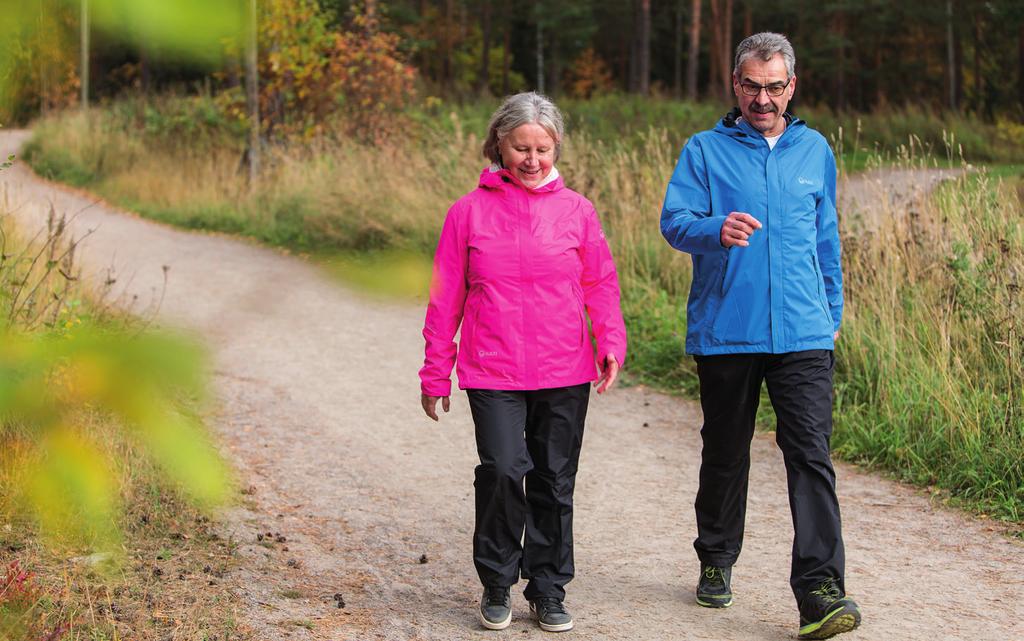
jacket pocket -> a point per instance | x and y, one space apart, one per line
819 280
582 315
469 320
723 274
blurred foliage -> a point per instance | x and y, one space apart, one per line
187 29
63 362
39 42
38 61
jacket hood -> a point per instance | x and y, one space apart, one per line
733 125
495 177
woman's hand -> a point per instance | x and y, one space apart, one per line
429 404
609 372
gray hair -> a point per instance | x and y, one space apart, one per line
522 109
763 46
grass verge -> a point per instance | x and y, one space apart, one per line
98 539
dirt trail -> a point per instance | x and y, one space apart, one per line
319 408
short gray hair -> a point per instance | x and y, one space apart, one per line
522 109
763 46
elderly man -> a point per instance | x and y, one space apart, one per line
753 202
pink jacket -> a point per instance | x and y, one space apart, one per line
518 267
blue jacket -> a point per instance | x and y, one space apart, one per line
784 292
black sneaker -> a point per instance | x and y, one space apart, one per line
826 612
551 614
713 589
496 608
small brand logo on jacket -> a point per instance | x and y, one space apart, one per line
804 181
483 354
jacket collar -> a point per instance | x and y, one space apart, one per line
499 178
733 125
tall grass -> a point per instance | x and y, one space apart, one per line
929 379
930 375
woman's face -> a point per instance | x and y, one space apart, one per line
528 151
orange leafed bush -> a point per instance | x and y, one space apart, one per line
588 75
309 73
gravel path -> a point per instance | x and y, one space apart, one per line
319 409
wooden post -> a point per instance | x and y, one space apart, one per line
252 94
85 54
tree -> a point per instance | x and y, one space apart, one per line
252 93
84 73
694 52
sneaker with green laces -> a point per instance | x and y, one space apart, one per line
713 590
496 608
826 612
551 614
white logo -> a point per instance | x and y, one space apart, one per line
804 181
482 353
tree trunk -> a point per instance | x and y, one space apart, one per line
880 97
840 30
1020 66
694 51
677 69
447 65
555 68
958 53
950 55
721 43
978 98
252 95
540 57
748 19
505 60
715 50
483 83
634 50
645 47
727 49
85 54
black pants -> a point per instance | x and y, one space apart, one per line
535 435
800 388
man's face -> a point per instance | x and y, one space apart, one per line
762 111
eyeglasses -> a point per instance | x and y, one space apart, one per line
774 89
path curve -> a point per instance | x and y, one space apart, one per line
318 407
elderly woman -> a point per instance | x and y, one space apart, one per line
521 263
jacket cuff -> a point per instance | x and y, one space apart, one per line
619 355
436 388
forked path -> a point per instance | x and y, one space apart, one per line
319 409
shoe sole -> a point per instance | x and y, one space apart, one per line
561 627
496 625
548 627
714 602
842 620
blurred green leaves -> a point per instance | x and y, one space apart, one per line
46 34
189 29
53 386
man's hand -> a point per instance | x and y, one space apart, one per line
737 228
609 372
835 336
429 404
